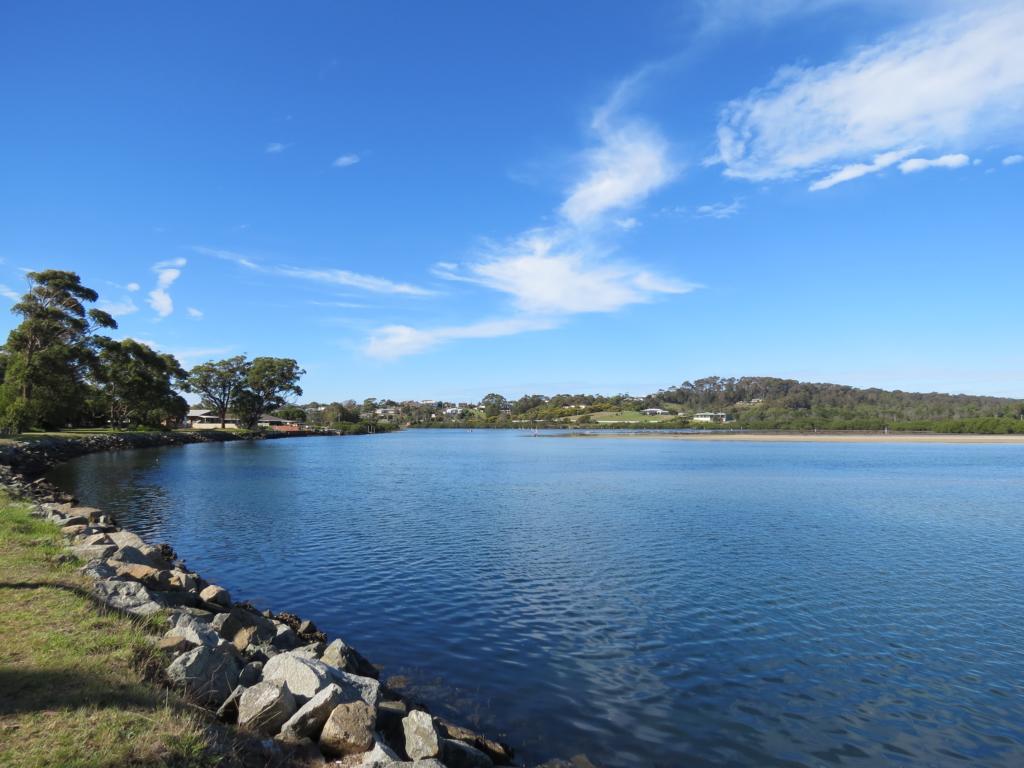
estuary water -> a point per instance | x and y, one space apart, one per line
646 602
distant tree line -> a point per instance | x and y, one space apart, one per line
58 370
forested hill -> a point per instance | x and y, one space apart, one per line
766 401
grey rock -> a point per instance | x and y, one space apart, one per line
231 623
99 570
340 656
228 711
309 720
348 730
143 555
208 674
357 687
89 552
129 596
194 630
284 638
311 651
265 707
126 539
216 596
304 677
251 673
457 754
422 738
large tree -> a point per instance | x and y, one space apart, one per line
218 384
51 351
136 384
268 382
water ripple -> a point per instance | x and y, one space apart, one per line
648 603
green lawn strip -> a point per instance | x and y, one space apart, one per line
73 687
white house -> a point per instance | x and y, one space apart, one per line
654 412
709 418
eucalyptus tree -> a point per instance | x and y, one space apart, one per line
267 384
136 384
218 383
49 354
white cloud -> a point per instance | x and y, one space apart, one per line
353 280
546 272
118 308
334 276
9 293
955 79
345 161
166 273
1013 159
275 148
220 253
856 170
394 341
133 287
915 164
631 162
551 273
719 210
194 313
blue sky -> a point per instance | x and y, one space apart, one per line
447 199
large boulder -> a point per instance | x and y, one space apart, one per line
231 623
265 707
500 754
194 630
348 730
284 637
127 596
144 555
126 539
208 674
304 677
89 552
309 720
251 673
422 738
340 656
357 687
457 754
215 595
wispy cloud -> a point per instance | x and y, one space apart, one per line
551 273
275 148
345 161
856 170
957 79
166 273
1013 159
9 293
395 341
118 308
719 210
915 164
194 313
630 162
548 272
133 287
332 276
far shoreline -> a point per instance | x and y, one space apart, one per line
809 437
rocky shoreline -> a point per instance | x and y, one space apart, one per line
275 676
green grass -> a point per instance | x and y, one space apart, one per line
627 416
77 682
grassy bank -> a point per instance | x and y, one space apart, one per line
74 682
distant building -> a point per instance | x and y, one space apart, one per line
654 412
711 418
199 418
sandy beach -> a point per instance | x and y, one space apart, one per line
811 437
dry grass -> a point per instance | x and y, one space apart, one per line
74 691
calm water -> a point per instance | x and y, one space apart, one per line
650 603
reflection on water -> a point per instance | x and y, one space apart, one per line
650 603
